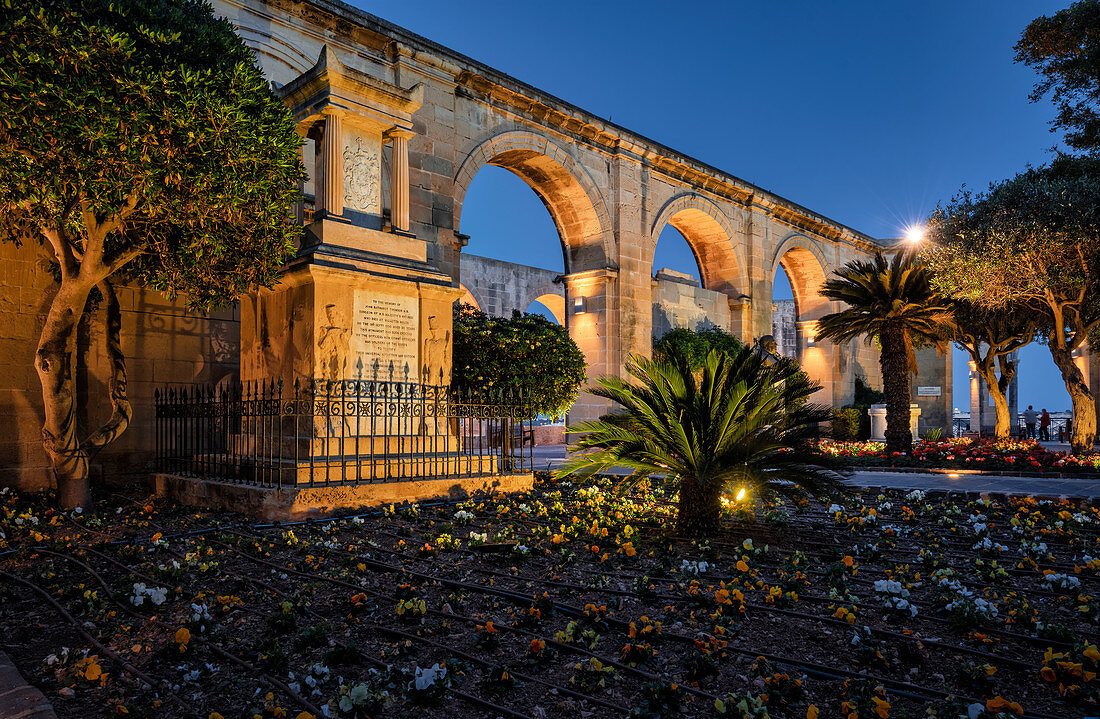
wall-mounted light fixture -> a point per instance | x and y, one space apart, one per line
580 305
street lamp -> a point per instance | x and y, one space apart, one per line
915 233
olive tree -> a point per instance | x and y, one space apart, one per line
1031 244
140 143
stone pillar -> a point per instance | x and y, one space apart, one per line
399 179
330 193
591 321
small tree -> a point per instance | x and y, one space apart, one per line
736 420
990 338
695 344
138 142
526 353
891 301
1032 244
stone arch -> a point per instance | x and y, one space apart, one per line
565 188
553 298
280 61
711 238
803 261
470 297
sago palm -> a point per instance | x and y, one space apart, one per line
735 422
891 301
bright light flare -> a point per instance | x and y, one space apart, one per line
740 494
915 233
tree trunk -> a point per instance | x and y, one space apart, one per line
1084 407
1002 429
698 510
894 361
54 362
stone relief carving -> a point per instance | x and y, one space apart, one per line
362 177
437 352
333 345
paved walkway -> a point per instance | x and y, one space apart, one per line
551 457
19 700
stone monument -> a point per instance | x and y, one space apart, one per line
361 301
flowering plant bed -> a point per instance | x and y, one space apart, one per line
569 601
963 453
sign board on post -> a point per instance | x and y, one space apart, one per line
929 391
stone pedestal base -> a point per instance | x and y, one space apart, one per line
296 503
877 413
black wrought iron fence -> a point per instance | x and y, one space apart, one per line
340 432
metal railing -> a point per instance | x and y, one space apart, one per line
323 432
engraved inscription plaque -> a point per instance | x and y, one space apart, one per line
385 335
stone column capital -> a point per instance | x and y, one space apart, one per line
399 133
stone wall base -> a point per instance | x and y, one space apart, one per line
297 503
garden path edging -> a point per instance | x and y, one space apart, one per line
18 699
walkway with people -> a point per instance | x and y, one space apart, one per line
551 457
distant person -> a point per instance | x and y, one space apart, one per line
1044 426
1029 421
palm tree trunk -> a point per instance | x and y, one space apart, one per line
894 361
697 513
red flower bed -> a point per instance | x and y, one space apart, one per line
959 453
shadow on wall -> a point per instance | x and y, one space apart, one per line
663 322
163 344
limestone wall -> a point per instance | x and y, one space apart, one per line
678 303
498 287
164 343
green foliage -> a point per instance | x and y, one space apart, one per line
735 421
1025 236
844 423
1065 49
695 344
866 395
146 128
526 352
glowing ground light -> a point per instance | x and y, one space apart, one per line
740 494
953 475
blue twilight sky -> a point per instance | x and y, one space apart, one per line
867 112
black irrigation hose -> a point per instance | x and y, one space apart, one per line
267 678
126 666
894 684
1024 638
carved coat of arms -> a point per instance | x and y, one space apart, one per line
361 177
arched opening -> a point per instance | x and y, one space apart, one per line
696 268
535 222
799 274
467 297
506 221
784 315
550 306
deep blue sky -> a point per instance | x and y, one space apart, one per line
867 112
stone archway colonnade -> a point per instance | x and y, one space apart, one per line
609 191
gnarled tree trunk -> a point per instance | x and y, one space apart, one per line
698 509
894 361
55 364
997 387
1084 407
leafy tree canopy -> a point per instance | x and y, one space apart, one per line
143 139
526 352
1024 240
1065 49
695 344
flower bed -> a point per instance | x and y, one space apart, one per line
570 601
963 453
